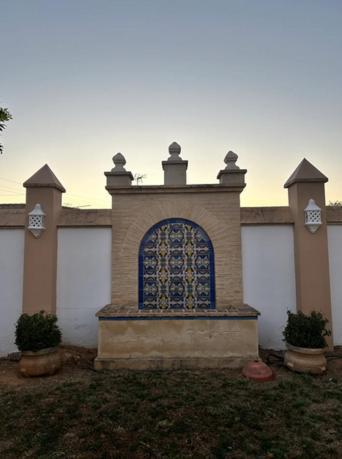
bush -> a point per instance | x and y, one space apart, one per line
306 331
37 332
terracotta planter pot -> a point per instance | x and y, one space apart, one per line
45 362
305 360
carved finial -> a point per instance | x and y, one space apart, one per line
174 150
119 163
230 160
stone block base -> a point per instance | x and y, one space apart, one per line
168 364
176 340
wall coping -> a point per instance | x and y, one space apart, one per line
172 189
85 217
14 216
120 311
266 216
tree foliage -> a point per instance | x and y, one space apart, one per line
335 203
4 117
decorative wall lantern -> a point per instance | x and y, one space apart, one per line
312 215
36 220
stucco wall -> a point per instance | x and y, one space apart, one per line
83 282
11 285
335 262
269 278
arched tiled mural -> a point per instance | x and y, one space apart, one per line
176 267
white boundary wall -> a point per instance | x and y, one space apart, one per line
11 285
335 262
83 282
269 278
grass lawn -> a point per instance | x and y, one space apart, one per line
178 414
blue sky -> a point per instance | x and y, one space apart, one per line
86 79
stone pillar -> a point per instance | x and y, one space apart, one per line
175 167
233 179
118 176
40 258
311 249
232 175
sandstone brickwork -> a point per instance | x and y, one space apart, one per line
216 210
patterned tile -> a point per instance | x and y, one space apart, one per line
176 267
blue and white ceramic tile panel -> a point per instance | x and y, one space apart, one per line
176 267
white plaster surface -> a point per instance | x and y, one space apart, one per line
269 278
83 282
335 262
11 285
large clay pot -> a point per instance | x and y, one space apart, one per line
45 362
305 360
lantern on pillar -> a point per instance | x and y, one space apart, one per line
36 220
312 215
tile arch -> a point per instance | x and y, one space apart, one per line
176 267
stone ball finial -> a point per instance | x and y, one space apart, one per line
119 162
230 160
174 150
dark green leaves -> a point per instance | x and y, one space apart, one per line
306 330
37 332
4 116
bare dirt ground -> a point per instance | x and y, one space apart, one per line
78 364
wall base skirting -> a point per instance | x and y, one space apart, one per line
171 363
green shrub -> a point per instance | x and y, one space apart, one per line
306 330
37 332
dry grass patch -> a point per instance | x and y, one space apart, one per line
201 414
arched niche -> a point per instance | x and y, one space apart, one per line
176 267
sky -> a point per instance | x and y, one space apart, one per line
87 79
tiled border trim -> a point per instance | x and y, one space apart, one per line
179 317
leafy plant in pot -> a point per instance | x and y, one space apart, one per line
305 337
37 336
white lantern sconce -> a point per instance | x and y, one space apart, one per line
36 220
312 215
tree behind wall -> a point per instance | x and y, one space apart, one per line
4 116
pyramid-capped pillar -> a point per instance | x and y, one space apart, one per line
118 177
232 175
43 207
306 196
175 167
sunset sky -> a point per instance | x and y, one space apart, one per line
87 79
